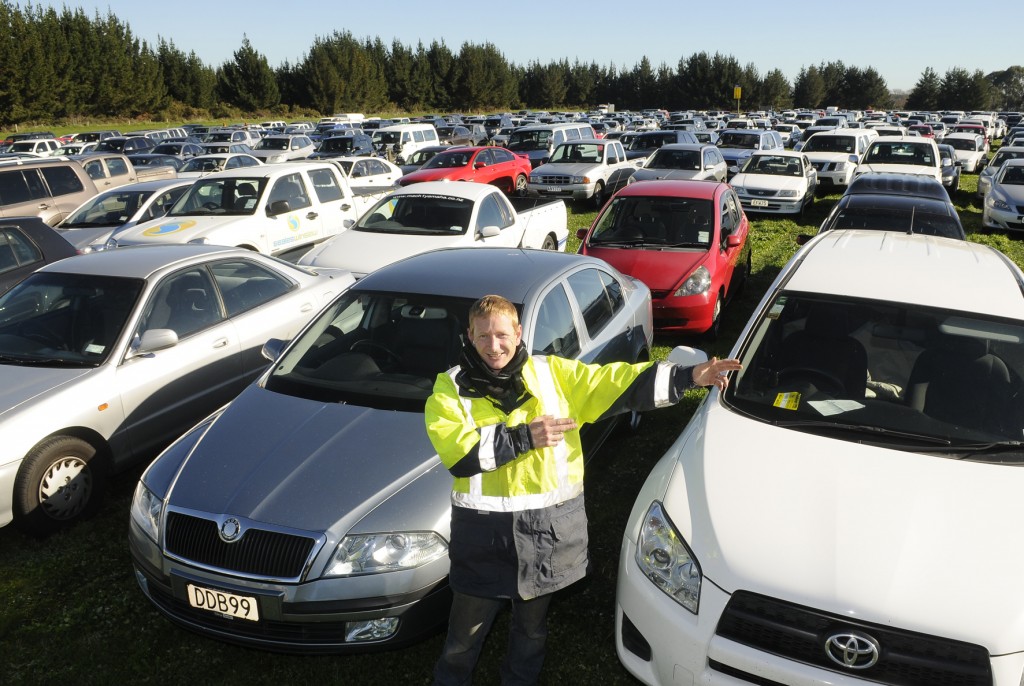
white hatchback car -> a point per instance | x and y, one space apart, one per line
846 511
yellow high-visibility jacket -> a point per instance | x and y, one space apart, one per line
497 471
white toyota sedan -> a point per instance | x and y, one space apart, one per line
848 511
776 182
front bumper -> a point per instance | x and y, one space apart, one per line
661 643
571 191
992 218
683 314
772 205
312 617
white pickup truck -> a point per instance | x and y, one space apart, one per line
271 209
583 170
439 214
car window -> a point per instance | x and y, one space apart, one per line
16 250
245 285
14 188
596 298
325 184
117 167
291 189
501 155
185 302
491 214
555 329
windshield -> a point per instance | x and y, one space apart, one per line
775 165
111 209
900 153
218 137
449 160
524 141
386 137
1012 175
688 160
649 142
337 144
574 153
732 139
655 221
381 350
272 144
928 375
204 164
907 215
52 319
421 156
235 195
425 215
842 144
962 144
111 145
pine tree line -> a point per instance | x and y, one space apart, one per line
58 65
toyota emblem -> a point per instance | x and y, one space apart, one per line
230 529
852 650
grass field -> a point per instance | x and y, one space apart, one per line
70 610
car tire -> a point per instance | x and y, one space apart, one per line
519 188
598 197
716 319
60 482
549 243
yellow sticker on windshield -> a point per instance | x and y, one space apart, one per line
787 401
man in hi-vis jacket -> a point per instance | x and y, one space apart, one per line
505 424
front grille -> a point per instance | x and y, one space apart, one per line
258 552
761 192
554 180
800 633
820 166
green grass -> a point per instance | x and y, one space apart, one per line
70 610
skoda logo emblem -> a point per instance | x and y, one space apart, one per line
230 529
852 650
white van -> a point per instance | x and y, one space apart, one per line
539 140
404 139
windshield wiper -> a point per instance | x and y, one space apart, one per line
864 428
632 243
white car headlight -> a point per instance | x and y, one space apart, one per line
580 179
147 511
740 190
840 166
788 194
699 282
996 203
385 552
667 561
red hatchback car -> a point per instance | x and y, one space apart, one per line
484 164
687 240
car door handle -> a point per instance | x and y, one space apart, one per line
220 342
312 215
43 206
306 307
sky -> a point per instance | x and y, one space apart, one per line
900 45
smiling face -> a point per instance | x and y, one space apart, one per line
496 337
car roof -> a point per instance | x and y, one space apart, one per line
469 190
138 261
910 268
897 183
515 273
673 188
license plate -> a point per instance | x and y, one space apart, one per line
219 602
554 189
759 203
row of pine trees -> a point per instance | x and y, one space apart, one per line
61 65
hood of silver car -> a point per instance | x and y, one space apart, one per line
302 463
23 384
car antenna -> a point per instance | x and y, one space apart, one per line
910 229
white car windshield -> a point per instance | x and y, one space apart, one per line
421 214
912 377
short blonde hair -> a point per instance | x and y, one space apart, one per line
491 305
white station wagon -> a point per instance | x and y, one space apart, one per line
848 511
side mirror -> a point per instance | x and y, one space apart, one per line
581 233
479 165
489 231
732 241
687 356
277 207
155 339
273 348
854 159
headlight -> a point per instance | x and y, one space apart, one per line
699 282
788 194
840 166
665 559
580 179
147 511
740 190
385 552
535 179
997 204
